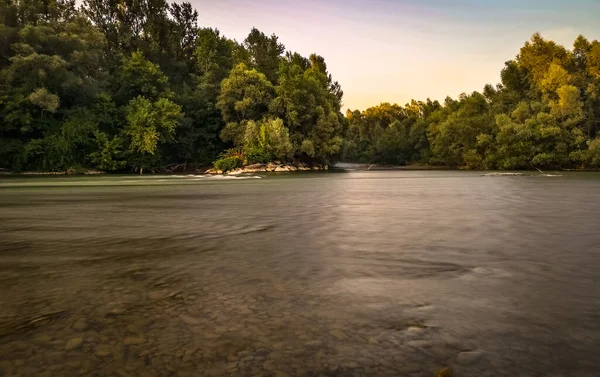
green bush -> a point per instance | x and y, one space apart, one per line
256 155
228 163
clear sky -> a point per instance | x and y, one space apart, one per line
396 50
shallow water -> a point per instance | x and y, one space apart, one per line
332 274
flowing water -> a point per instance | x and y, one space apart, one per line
331 274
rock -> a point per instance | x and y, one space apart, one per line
122 373
255 166
80 325
75 364
325 167
103 350
156 295
235 172
190 320
115 312
316 168
292 168
210 171
73 344
349 364
468 357
445 372
271 166
282 168
303 168
338 334
132 340
42 339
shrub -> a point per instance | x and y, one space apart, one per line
228 163
255 155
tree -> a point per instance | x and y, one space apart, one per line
149 123
265 53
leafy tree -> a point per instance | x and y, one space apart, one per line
150 123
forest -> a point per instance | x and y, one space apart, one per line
137 85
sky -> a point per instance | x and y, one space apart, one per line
398 50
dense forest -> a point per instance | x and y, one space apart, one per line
133 85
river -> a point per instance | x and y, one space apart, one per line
395 273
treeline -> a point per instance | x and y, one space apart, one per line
132 85
544 113
129 85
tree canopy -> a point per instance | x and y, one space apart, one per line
544 113
139 85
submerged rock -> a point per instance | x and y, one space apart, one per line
445 372
132 340
73 344
103 350
468 357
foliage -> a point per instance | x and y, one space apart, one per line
228 163
149 123
256 155
138 85
544 113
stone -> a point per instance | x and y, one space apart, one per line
468 357
445 372
5 367
316 168
103 350
133 340
338 334
292 168
80 325
255 166
73 344
156 295
42 339
282 168
269 365
190 320
122 373
75 364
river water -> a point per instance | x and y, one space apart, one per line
330 274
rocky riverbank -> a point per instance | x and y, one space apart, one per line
270 167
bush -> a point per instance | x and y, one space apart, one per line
256 155
228 163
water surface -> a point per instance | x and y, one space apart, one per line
329 274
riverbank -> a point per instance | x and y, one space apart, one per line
278 167
269 167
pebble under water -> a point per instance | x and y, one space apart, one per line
315 274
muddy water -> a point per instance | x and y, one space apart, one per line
349 274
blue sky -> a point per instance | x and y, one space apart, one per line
393 51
